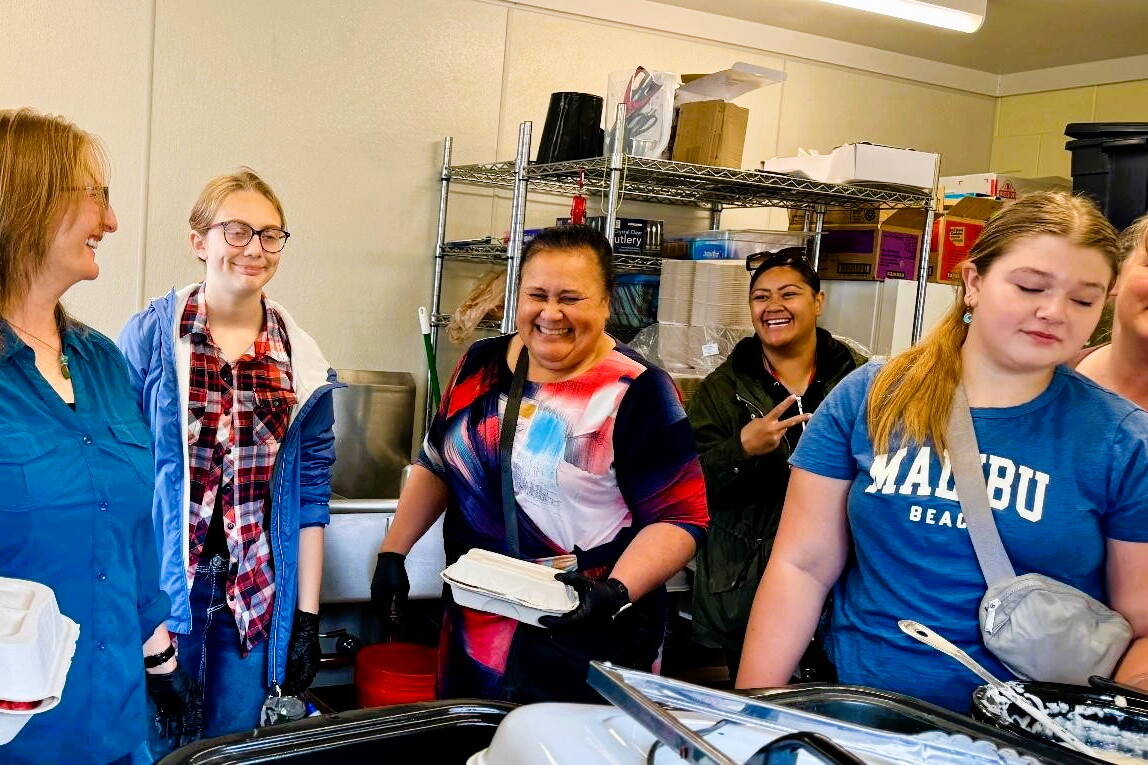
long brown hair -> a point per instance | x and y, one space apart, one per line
42 157
911 395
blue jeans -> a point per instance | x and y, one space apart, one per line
234 687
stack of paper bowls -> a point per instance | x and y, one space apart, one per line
37 643
721 294
676 291
497 584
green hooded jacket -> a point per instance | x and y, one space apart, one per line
746 493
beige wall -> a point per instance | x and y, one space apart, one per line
343 107
1029 135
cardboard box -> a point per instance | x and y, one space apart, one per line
711 133
960 229
836 216
862 162
884 164
900 245
629 233
849 252
1001 185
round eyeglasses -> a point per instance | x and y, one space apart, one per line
238 234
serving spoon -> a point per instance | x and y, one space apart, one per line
920 632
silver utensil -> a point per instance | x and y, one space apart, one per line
920 632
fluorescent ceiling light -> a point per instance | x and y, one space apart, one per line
961 15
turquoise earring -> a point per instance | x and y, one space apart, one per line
968 317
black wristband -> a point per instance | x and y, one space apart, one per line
156 659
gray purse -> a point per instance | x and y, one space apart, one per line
1039 628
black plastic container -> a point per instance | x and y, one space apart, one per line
572 128
897 713
1110 164
1129 720
438 732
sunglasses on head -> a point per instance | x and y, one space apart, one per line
790 256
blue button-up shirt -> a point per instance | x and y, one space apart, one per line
75 514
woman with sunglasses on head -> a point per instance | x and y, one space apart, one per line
747 417
1066 464
238 399
75 467
1122 364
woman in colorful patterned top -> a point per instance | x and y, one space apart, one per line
606 484
238 399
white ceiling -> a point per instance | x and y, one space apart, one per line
1017 36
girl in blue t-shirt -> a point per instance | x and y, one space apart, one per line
1066 466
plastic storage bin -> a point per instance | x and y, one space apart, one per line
733 243
635 301
1110 164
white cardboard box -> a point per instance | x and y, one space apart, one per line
861 162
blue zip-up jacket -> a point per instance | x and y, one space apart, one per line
300 485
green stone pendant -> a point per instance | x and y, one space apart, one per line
64 371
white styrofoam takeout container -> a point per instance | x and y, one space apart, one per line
518 589
37 643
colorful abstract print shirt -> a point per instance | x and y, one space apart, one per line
593 455
237 417
605 452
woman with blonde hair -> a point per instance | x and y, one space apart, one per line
1066 469
238 399
1122 365
75 467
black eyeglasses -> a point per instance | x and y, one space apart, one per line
98 193
237 233
790 256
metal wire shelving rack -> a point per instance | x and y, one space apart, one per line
643 179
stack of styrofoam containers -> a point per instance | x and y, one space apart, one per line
675 302
37 643
721 294
676 291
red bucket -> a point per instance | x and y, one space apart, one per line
395 673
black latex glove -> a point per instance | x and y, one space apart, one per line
597 601
390 586
175 701
302 653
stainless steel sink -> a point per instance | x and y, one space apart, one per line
352 544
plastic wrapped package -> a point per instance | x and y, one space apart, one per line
690 353
687 350
484 299
649 100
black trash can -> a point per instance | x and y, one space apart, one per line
438 732
1110 164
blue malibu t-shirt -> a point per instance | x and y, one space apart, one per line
1065 472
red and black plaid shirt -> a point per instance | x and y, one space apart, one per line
237 417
